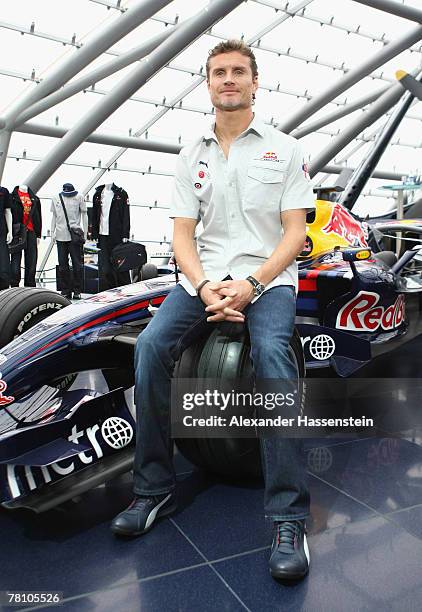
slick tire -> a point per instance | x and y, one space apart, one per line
23 307
226 355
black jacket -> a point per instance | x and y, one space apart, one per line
119 217
4 204
17 210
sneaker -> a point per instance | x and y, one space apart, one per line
141 514
289 558
77 296
66 294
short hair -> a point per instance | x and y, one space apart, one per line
229 46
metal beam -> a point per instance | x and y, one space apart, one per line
287 15
331 22
135 142
178 99
31 31
78 60
93 77
400 10
188 31
378 174
337 114
129 142
378 108
362 173
139 133
352 77
332 169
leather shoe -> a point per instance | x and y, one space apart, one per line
289 558
139 517
77 296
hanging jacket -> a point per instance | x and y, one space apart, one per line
119 216
17 210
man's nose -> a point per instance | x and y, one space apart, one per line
229 78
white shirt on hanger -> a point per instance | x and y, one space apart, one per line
106 199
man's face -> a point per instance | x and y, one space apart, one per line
230 81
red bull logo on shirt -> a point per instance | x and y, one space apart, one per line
270 156
344 225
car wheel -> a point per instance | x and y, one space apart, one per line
224 355
23 307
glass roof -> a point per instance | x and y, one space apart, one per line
299 55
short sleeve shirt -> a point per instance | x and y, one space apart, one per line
75 205
239 200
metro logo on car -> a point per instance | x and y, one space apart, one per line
362 313
343 224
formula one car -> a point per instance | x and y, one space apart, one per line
66 383
66 401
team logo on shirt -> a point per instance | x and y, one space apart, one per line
201 174
198 185
305 170
270 156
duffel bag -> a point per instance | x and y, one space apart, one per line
128 256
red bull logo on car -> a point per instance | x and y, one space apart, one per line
344 225
4 399
363 313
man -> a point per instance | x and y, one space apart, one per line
240 179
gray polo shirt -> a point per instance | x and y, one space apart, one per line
239 200
75 206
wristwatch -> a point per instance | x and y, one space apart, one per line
258 288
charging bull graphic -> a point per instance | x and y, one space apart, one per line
344 225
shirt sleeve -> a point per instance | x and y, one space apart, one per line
184 202
82 204
7 199
53 208
297 191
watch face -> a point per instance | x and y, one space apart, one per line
259 289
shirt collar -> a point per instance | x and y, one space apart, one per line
256 125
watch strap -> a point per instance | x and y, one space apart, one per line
200 285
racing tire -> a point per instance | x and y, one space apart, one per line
22 307
225 354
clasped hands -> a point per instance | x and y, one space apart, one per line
226 299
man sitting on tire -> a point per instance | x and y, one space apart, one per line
248 184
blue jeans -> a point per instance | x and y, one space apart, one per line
179 322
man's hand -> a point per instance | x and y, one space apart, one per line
9 238
233 297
